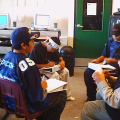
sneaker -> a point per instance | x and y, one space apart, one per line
71 99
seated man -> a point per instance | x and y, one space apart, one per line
108 57
107 105
45 54
17 67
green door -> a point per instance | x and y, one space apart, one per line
91 27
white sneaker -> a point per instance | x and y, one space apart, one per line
71 99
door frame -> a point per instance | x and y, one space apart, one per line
82 62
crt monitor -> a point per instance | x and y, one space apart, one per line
4 20
41 21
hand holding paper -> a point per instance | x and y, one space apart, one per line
44 83
51 64
110 60
99 69
62 64
98 77
95 61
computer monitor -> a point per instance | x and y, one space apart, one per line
42 22
4 20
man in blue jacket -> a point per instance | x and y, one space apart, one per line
17 67
108 57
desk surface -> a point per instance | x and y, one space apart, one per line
52 30
5 36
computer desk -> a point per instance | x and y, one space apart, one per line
5 40
5 43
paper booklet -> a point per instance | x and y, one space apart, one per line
95 66
51 69
55 85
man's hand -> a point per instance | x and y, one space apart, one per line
110 79
44 84
62 64
50 64
98 77
98 60
110 60
95 61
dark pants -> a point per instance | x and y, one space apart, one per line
90 84
57 103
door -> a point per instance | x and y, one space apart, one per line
91 27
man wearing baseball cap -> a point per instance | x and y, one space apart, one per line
17 67
107 57
45 54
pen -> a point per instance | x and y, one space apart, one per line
110 73
43 78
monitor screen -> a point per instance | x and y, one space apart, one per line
41 21
4 21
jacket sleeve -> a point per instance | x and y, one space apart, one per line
110 96
106 51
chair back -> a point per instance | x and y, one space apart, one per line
1 104
13 91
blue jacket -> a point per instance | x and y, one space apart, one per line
18 68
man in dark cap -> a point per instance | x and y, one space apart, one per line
45 54
116 30
106 57
17 67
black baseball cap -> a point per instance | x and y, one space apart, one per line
116 30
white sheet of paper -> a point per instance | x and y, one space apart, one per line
54 84
91 8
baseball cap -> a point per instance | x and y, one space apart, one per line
116 30
55 42
20 35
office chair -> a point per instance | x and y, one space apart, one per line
14 91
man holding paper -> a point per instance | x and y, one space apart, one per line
107 57
45 55
107 105
22 70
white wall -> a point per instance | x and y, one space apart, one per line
116 5
23 11
61 11
71 23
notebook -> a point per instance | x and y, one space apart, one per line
51 69
95 66
55 85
